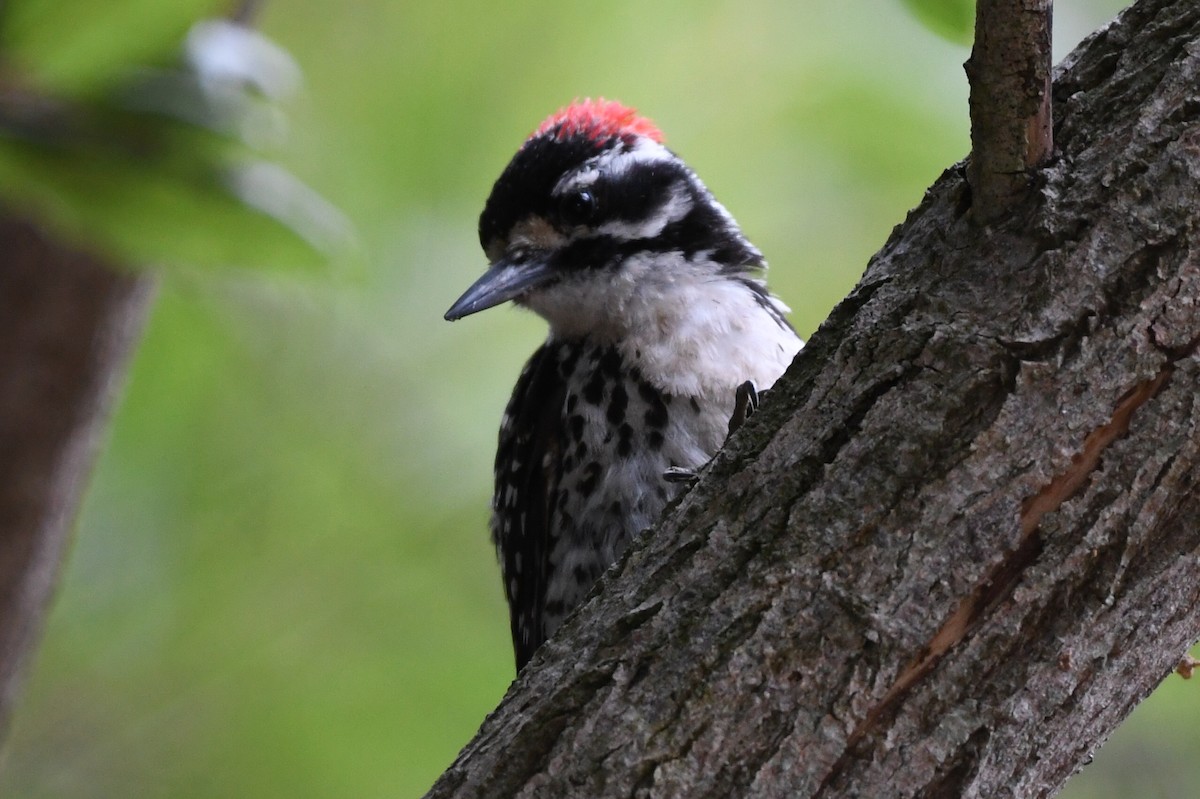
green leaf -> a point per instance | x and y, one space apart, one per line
953 20
169 213
77 47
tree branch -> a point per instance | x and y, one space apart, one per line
1011 109
959 542
69 321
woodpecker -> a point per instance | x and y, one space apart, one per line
658 313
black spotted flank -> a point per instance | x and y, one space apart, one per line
569 357
591 476
593 390
610 363
618 401
656 415
655 440
647 392
625 441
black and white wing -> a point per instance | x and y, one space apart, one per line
527 475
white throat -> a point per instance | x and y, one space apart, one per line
688 329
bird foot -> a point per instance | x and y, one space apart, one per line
744 405
678 474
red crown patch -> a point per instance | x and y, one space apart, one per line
597 120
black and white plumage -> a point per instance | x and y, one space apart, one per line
657 312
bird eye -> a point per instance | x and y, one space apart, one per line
578 207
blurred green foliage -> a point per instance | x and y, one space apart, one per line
953 19
79 47
129 128
281 583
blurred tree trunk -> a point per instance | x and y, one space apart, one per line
67 323
962 539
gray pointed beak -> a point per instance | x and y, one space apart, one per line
503 281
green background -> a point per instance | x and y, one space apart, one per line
281 583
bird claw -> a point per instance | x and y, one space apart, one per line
678 474
744 405
746 400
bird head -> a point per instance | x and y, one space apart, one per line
594 218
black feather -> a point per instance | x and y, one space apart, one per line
528 470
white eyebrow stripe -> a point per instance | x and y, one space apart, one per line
612 163
678 205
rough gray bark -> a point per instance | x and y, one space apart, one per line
960 542
67 323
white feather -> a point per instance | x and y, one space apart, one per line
689 329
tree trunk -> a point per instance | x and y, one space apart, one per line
961 540
67 323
